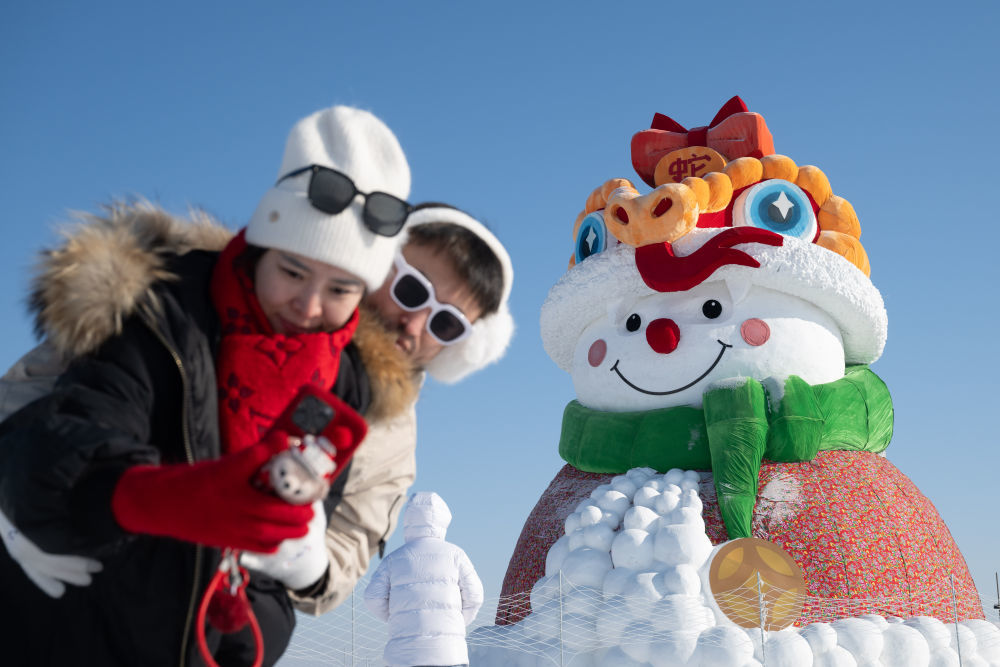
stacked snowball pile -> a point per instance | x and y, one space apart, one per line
627 585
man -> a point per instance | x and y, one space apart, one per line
444 305
444 310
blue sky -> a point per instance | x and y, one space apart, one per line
515 112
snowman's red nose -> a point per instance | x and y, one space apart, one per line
663 335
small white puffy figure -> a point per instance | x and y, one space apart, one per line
427 590
301 474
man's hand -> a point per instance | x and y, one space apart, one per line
50 572
297 563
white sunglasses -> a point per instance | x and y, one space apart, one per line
412 291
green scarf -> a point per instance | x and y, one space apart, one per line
739 425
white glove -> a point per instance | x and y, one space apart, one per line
298 562
50 572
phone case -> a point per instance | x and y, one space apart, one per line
323 433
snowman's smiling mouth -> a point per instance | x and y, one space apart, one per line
701 377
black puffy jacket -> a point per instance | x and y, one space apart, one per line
145 394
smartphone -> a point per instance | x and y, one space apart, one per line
323 433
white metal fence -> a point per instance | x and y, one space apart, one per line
351 636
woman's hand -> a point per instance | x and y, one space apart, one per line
211 502
50 572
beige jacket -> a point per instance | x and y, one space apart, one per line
384 466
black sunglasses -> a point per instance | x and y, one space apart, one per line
331 191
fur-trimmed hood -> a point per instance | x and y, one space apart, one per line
104 271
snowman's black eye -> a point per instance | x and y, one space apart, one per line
633 322
711 309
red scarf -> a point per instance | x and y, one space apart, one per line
260 371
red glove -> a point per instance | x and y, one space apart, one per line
211 502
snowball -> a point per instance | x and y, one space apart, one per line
679 612
557 554
904 647
613 520
821 637
624 485
859 636
641 518
616 657
543 592
635 640
590 515
656 483
600 490
723 646
680 579
572 522
667 501
943 656
879 621
753 634
575 540
579 632
487 647
545 623
640 594
681 544
786 649
640 475
691 500
611 620
931 628
632 548
581 600
544 652
690 485
599 536
613 501
962 640
838 656
616 580
686 516
646 497
987 639
706 586
586 567
672 648
674 476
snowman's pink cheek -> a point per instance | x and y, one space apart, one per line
595 355
755 331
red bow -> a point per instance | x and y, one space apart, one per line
734 132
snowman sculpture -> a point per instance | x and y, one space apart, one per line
725 323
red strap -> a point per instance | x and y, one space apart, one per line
213 586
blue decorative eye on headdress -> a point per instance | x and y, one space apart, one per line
778 206
592 237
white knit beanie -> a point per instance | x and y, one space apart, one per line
491 333
352 141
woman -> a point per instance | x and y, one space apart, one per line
179 362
